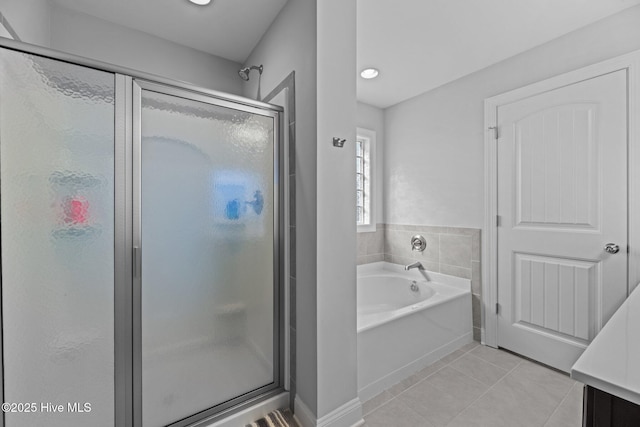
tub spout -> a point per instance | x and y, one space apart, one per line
416 264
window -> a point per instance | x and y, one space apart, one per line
360 178
365 149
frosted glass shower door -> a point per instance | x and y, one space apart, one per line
208 250
57 216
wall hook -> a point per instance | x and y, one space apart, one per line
338 142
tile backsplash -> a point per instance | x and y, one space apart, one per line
371 246
450 250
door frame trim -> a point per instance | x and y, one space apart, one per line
629 62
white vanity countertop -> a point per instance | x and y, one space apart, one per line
611 363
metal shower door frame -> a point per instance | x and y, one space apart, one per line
127 376
219 411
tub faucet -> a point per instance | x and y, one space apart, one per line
416 264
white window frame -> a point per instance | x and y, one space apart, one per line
369 138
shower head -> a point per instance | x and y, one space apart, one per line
244 72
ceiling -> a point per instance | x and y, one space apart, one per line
226 28
419 45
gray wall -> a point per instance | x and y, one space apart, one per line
43 23
336 290
95 38
30 19
434 142
310 38
290 45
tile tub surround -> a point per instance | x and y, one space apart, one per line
371 245
479 386
450 250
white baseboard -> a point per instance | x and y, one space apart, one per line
347 415
254 413
372 389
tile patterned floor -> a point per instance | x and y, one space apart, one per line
479 386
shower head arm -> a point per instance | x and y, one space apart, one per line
257 67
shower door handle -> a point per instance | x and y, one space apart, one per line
136 261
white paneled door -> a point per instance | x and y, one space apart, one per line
562 197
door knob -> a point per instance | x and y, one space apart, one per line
611 248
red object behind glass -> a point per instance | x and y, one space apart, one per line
76 211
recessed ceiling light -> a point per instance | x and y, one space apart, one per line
369 73
200 2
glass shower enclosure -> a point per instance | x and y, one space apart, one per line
140 246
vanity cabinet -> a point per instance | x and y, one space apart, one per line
601 409
610 370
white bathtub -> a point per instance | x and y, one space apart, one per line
401 330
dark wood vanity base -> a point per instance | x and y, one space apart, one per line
601 409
